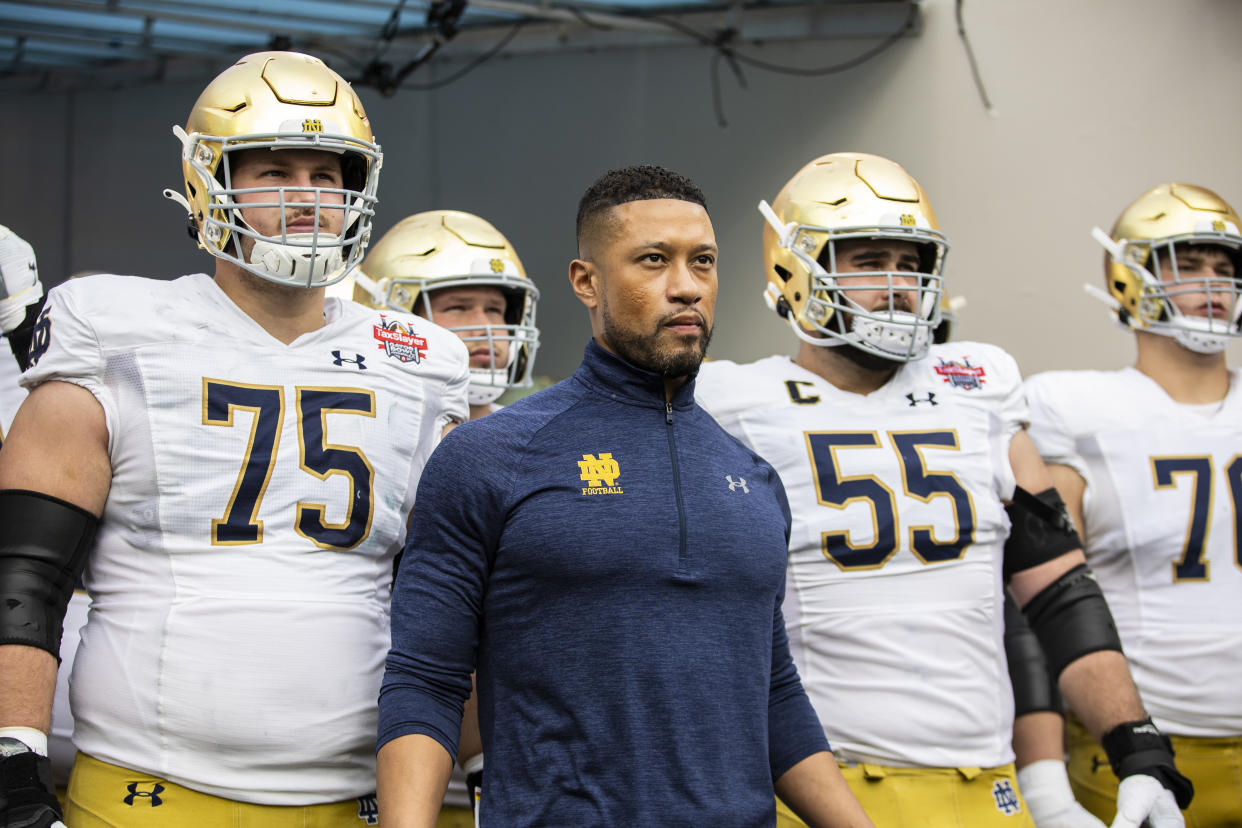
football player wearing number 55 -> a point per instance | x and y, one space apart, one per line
907 462
1147 459
232 459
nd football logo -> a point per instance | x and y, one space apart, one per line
312 125
600 474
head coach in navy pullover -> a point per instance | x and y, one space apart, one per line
612 563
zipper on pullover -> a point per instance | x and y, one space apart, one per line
681 505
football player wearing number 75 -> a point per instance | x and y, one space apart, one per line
907 464
232 459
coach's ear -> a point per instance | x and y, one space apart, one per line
584 278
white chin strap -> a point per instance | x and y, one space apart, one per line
898 337
311 257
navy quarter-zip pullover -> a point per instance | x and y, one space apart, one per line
618 563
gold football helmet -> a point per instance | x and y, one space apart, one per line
1140 294
850 195
279 100
443 249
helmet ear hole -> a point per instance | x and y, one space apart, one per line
353 171
783 273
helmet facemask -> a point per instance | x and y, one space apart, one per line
518 333
1154 264
896 329
301 259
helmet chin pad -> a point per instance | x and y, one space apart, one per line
486 385
903 336
309 259
1203 336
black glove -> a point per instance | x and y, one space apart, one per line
27 795
1139 747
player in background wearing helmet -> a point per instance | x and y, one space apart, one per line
1147 460
902 459
237 458
460 272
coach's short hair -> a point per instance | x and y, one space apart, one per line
641 182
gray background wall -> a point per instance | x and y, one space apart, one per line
1095 101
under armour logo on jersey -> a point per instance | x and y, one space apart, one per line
734 485
152 795
358 360
914 401
368 810
1097 763
1006 798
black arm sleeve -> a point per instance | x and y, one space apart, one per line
1034 691
44 542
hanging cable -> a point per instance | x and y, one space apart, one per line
722 47
974 66
444 16
472 65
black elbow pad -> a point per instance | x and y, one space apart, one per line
1071 619
1040 530
44 542
1034 691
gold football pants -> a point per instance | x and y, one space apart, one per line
102 795
1213 765
931 797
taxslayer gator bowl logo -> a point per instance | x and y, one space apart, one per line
600 474
961 374
398 340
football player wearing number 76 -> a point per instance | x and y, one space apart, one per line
1147 459
916 495
232 459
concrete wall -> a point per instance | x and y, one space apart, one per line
1094 103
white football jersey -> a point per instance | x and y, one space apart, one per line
1162 507
60 749
893 602
11 394
241 578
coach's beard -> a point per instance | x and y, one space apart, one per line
648 352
